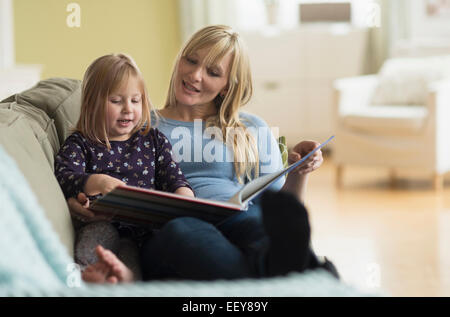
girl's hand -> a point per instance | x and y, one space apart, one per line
108 183
79 209
185 191
301 150
101 184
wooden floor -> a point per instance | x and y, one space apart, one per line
393 241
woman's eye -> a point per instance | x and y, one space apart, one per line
213 73
191 61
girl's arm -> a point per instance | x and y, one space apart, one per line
185 191
71 174
100 184
70 163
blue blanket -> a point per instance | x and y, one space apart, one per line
35 263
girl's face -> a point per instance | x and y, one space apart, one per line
124 110
196 84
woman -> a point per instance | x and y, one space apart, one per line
210 83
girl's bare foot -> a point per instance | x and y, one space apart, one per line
108 269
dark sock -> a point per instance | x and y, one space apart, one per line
287 225
324 263
329 266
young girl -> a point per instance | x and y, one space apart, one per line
114 144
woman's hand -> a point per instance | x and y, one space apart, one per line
101 184
297 179
79 209
312 163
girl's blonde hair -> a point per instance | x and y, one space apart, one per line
220 41
103 77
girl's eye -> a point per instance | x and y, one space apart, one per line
136 101
115 101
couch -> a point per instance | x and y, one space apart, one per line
36 233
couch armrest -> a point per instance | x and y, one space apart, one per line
353 93
439 86
438 105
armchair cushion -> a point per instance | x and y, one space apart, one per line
405 81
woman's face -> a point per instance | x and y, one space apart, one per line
196 84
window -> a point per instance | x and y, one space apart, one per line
6 34
254 14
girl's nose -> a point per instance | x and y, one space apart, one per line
127 107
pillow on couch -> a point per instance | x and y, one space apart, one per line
60 98
404 81
43 128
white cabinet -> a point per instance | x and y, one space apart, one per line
293 72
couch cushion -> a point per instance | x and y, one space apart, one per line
42 126
60 98
19 141
387 119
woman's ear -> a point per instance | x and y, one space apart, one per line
223 93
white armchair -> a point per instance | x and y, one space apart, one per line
391 136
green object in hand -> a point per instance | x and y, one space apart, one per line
283 150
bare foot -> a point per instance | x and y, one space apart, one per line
108 269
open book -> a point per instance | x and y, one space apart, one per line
153 207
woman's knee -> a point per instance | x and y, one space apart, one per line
180 234
185 226
173 245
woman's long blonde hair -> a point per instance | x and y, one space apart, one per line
220 41
104 76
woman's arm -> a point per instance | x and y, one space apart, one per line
297 180
168 176
79 209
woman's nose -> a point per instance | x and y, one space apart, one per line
196 74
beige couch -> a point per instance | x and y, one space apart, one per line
33 124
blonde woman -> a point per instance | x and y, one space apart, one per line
219 148
210 84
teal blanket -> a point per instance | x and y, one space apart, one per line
35 263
